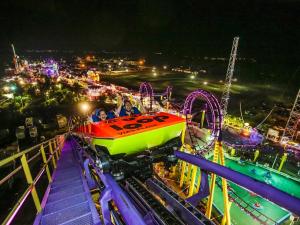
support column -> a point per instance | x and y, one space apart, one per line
212 183
42 150
199 180
29 179
192 183
224 188
183 165
283 159
202 118
256 154
232 152
52 155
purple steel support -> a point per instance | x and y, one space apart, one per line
266 191
105 198
125 206
167 92
203 190
146 90
90 181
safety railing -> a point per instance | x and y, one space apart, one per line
27 156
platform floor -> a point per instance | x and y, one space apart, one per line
69 200
238 216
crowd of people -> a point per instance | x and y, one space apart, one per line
124 108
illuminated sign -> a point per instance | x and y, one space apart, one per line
129 125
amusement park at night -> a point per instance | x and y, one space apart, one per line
150 113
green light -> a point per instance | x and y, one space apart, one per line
13 88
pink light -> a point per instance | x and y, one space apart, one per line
19 206
24 199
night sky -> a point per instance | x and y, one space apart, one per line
268 29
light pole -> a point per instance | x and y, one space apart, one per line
84 107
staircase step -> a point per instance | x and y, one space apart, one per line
65 215
69 200
66 189
63 176
66 186
64 182
64 203
65 193
86 219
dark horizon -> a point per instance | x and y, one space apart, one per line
267 29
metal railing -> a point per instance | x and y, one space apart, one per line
54 147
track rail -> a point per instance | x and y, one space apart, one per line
148 202
187 212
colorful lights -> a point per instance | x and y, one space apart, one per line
10 88
50 68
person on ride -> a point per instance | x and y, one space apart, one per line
128 110
100 115
95 116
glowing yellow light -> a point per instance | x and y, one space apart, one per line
6 88
205 82
84 106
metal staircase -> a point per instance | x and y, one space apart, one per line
68 200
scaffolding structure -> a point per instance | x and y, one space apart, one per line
291 127
15 59
229 74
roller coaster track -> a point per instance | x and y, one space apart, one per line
246 207
148 202
214 113
189 213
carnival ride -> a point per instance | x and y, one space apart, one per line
130 192
137 133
